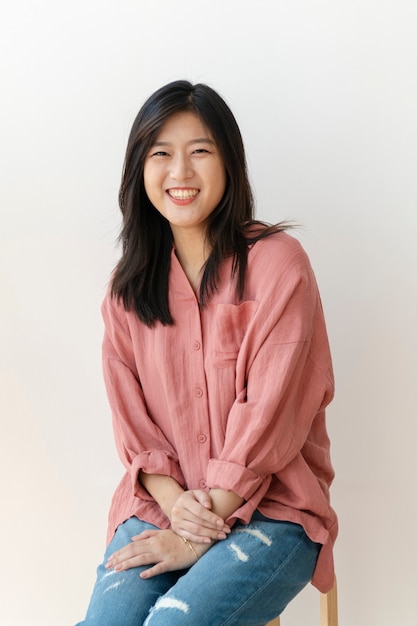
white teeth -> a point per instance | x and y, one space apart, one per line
183 194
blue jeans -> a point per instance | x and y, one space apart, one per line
246 579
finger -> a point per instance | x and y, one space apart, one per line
119 564
207 539
132 555
198 533
194 522
213 528
203 512
155 570
203 498
195 513
126 551
201 533
145 534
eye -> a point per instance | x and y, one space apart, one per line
200 151
159 153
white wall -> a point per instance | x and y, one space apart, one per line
325 92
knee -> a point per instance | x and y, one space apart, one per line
167 610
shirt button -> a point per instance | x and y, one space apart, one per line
201 438
203 484
198 392
197 345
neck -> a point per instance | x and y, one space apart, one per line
192 251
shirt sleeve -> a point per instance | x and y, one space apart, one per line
140 443
284 380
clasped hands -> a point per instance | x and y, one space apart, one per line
165 550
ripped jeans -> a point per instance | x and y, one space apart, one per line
246 579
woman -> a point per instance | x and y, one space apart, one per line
218 373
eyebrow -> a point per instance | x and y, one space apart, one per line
197 140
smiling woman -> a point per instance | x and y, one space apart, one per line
218 373
185 180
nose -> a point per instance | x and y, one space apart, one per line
181 168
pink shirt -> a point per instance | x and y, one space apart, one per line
231 396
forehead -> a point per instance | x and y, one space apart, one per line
183 125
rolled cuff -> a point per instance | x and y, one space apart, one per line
153 462
243 481
233 477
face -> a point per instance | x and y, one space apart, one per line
184 174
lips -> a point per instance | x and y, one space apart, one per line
182 194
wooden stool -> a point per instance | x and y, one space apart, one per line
328 609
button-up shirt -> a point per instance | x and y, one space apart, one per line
231 396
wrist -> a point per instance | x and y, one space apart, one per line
191 547
165 490
202 548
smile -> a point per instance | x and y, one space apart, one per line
182 194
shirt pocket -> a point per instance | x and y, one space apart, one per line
230 325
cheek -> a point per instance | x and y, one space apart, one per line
150 181
146 178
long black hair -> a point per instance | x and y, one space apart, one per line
141 276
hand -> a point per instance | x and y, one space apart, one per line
162 549
192 518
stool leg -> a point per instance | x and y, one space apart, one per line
328 607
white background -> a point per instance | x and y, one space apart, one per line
325 93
